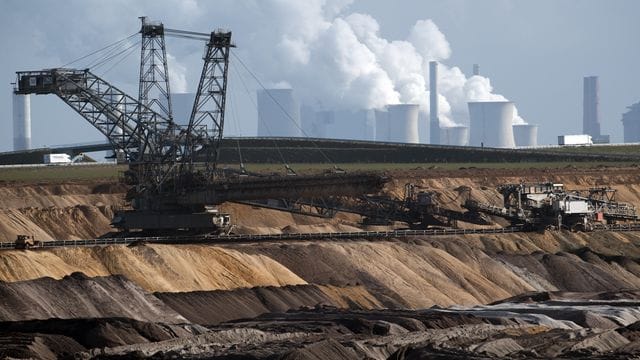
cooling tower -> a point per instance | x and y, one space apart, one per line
21 122
403 123
278 113
382 125
525 134
434 120
454 135
491 124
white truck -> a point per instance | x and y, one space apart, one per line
54 159
575 140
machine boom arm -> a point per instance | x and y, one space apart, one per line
107 108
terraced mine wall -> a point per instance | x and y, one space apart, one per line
406 298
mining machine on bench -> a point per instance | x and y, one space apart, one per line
169 188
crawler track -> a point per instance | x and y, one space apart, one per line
227 239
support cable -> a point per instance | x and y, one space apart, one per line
131 51
275 144
106 54
101 49
235 117
106 60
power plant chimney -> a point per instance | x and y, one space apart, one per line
476 69
591 107
21 122
434 121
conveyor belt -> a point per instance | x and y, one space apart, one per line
222 239
359 235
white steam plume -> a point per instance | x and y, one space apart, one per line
341 61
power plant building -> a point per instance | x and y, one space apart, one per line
525 135
338 124
491 124
631 123
349 125
278 113
591 107
21 122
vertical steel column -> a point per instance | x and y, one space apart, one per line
154 74
207 116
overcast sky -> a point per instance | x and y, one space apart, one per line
534 52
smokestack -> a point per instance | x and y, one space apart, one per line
476 69
491 124
21 122
590 107
403 123
278 113
434 121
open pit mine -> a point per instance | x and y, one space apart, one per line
545 292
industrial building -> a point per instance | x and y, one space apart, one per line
525 135
591 110
337 124
278 113
591 107
631 123
21 122
491 124
350 124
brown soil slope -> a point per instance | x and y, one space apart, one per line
213 307
77 296
58 211
441 270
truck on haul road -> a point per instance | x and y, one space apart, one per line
53 159
575 140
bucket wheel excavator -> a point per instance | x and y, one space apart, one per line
172 172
